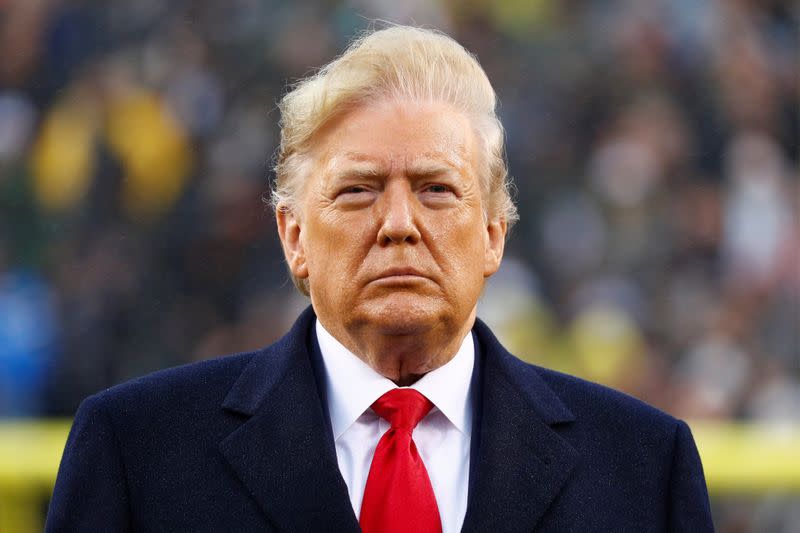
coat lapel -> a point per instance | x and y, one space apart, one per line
521 462
283 453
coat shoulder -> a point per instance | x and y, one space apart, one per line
193 384
600 406
564 397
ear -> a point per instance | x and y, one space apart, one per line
290 233
495 244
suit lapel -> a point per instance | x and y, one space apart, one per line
283 453
521 462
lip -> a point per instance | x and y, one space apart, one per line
400 273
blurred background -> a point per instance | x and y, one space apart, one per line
654 146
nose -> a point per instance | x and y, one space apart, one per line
397 211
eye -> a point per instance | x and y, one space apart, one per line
355 189
437 188
355 196
438 195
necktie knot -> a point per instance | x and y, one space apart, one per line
402 408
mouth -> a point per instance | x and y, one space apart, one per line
400 275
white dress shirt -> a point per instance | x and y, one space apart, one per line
442 437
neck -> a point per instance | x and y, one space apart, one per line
403 358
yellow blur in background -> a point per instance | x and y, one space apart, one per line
739 459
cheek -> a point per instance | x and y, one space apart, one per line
335 252
461 250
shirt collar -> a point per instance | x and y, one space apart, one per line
352 386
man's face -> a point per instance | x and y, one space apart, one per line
390 232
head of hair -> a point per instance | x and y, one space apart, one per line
397 62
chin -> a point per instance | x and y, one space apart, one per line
404 314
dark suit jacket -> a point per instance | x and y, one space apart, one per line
242 443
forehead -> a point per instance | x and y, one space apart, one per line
391 135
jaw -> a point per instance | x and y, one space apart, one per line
403 336
397 313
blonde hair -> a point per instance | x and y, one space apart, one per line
395 62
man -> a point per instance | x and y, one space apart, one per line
388 406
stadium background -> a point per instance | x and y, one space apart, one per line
654 146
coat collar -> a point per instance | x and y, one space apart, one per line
284 452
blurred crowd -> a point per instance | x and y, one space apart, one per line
653 144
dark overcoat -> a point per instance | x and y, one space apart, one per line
243 443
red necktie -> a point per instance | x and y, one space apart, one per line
398 496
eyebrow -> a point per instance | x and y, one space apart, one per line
357 166
361 165
436 163
430 168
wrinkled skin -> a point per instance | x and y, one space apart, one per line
391 235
